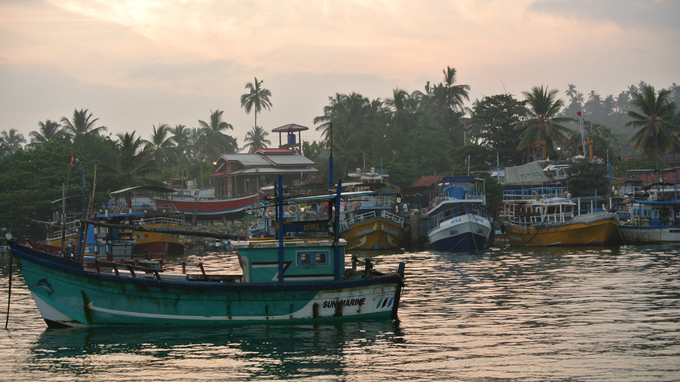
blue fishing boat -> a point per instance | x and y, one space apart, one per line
282 280
458 219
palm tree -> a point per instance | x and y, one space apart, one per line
161 146
12 140
181 135
256 139
654 118
134 163
542 123
81 124
450 96
258 98
571 92
49 130
216 142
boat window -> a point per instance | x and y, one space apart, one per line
310 259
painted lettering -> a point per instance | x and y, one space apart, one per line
350 302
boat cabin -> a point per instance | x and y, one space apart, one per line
303 260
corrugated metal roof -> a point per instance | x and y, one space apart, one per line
272 170
288 160
247 160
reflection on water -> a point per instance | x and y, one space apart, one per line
592 313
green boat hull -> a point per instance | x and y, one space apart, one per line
69 295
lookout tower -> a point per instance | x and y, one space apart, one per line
290 130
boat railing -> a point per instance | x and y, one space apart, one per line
451 213
154 269
157 220
531 192
390 216
70 228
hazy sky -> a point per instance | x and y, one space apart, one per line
139 63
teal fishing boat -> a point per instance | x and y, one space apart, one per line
282 280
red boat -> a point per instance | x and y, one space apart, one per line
213 208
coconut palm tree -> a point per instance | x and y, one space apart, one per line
653 115
181 135
216 142
134 161
49 130
81 124
162 146
12 140
450 96
542 123
257 98
256 139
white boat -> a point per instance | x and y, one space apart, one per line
458 218
652 221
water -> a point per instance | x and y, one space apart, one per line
576 314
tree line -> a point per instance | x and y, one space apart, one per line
411 134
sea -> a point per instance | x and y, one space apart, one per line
505 314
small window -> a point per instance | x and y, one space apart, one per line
313 259
304 259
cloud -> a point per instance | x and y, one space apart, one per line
652 14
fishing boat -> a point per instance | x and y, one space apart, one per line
282 280
124 213
371 222
198 207
651 221
556 221
458 219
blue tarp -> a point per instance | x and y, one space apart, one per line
455 192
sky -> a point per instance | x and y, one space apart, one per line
136 64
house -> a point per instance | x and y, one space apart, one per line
244 174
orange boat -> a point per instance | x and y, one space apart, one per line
554 221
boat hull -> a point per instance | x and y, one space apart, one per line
591 230
215 208
461 233
649 234
68 295
375 233
145 242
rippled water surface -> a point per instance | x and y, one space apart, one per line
579 314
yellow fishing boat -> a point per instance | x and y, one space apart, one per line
373 230
554 221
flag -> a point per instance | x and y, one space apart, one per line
71 160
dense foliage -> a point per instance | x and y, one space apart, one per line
409 134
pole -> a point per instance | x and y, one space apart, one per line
63 217
583 139
279 219
9 293
330 158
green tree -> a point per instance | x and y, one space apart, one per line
494 118
49 131
134 163
653 115
256 139
181 136
542 123
162 147
32 179
216 142
81 124
257 98
585 178
12 140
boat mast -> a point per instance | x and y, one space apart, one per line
279 220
